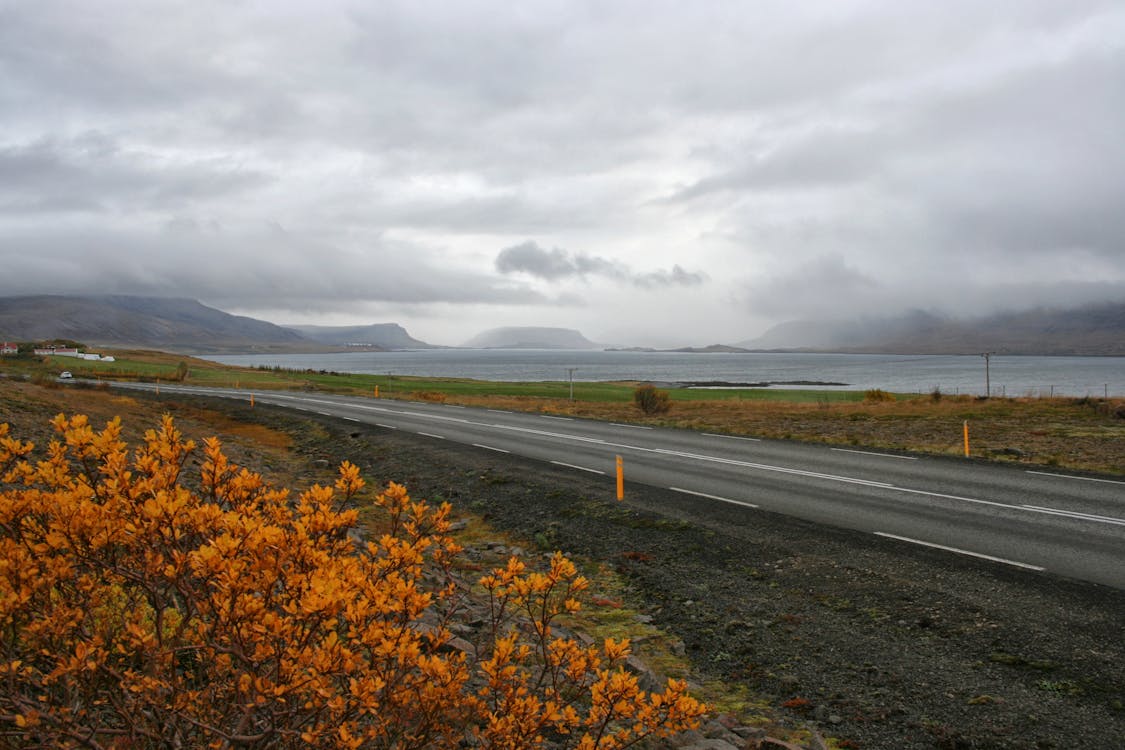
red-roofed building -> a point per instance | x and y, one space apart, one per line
9 347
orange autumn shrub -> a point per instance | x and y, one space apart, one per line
136 612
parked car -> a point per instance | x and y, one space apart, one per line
65 375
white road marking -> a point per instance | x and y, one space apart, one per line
733 437
633 426
490 448
324 414
561 419
871 453
385 426
430 434
351 419
713 497
580 468
1070 476
453 406
1077 515
961 551
779 469
499 411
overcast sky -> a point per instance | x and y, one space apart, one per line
648 172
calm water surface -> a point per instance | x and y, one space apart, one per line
1012 376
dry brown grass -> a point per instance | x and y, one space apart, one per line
1075 433
1065 432
28 407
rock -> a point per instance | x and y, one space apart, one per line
460 645
772 743
646 678
710 744
717 730
750 733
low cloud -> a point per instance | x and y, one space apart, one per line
557 264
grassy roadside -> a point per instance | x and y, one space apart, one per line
1073 433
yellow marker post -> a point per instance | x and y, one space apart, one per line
966 438
376 391
158 386
620 479
251 399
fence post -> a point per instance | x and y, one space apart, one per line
620 479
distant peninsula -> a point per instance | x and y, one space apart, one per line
711 349
530 337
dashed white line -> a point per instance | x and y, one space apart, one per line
561 419
490 448
1079 516
499 411
351 419
453 406
430 434
1071 476
631 426
872 453
324 414
713 497
580 468
733 437
961 551
780 469
386 426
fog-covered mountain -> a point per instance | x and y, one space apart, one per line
527 337
1090 330
377 335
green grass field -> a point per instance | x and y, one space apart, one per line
158 366
1086 433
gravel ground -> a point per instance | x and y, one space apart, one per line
878 644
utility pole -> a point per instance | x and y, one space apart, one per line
987 378
570 377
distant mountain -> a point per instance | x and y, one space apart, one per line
172 324
710 349
526 337
376 335
1092 330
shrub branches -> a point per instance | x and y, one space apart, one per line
134 611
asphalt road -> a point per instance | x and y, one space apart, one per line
1041 520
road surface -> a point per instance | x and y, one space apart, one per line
1038 520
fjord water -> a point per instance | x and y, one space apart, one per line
953 374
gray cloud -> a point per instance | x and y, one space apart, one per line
208 264
552 265
557 264
330 155
92 173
